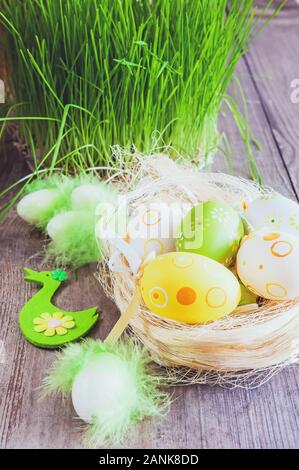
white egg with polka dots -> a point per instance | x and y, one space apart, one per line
273 211
153 228
268 263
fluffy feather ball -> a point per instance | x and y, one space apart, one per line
111 388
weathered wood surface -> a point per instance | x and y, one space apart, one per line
201 416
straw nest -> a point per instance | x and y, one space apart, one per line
243 349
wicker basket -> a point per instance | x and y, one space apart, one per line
251 340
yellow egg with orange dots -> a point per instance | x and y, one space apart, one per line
189 288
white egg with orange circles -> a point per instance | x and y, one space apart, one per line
154 228
268 262
151 229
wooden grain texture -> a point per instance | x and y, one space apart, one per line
273 64
201 416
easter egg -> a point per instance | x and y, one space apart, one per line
247 297
212 229
62 223
189 288
100 388
153 228
274 211
267 264
38 206
88 196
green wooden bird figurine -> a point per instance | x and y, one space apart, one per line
45 325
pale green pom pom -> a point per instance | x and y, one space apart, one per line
111 387
73 239
36 208
88 196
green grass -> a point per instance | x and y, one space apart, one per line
142 73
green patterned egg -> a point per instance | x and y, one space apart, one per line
247 297
212 229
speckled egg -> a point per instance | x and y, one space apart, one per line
212 229
267 264
189 288
274 211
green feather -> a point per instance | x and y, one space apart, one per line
77 244
109 425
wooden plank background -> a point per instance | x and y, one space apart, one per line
201 416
